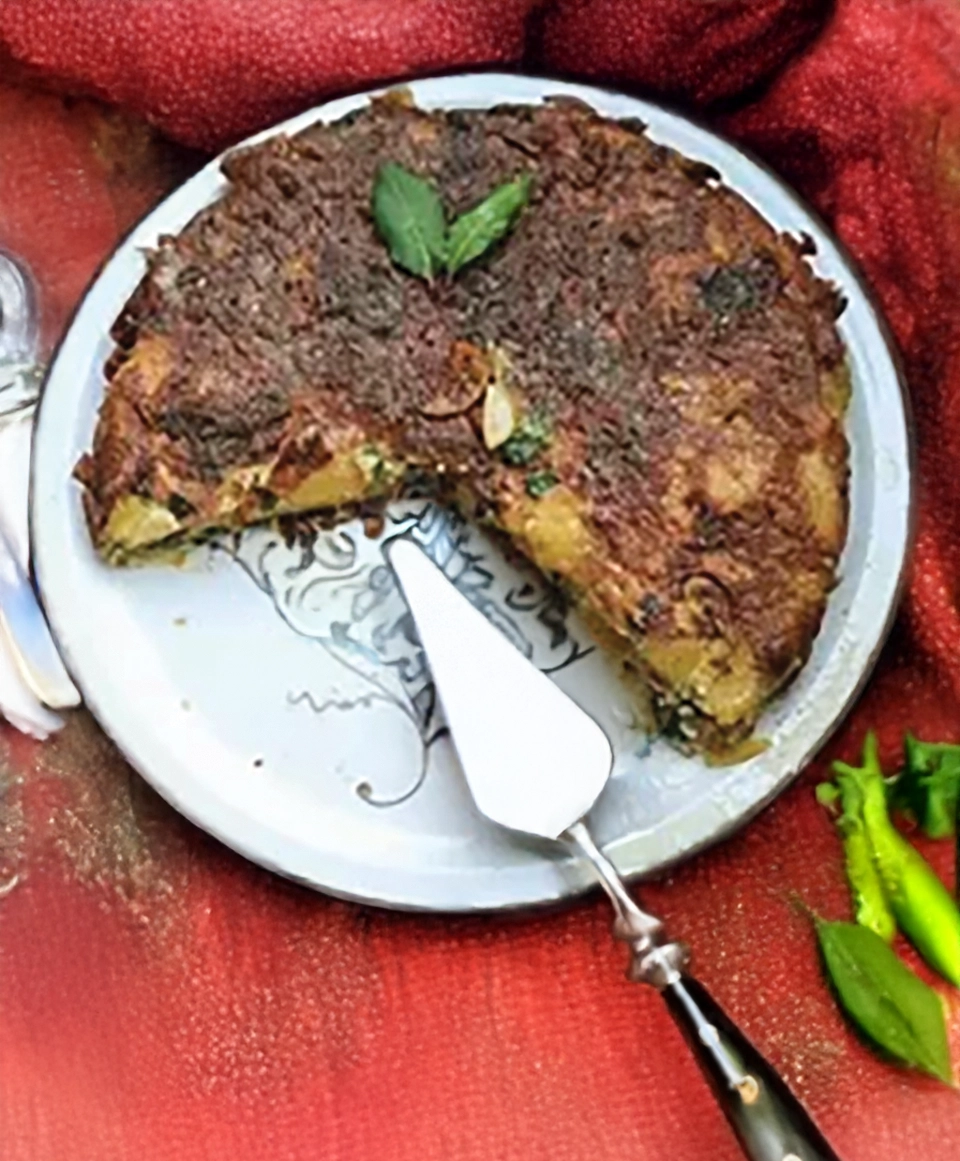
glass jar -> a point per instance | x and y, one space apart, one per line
20 370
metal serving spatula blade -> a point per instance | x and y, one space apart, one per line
536 763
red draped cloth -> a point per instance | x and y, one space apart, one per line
159 997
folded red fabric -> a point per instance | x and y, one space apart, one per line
161 997
211 71
699 52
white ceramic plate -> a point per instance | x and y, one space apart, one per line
281 702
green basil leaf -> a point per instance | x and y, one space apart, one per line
891 1005
409 217
474 232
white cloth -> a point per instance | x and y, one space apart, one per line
17 703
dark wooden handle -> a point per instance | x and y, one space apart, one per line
769 1121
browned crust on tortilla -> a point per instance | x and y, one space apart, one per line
685 355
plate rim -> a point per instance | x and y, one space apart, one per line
578 884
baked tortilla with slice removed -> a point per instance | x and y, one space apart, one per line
640 385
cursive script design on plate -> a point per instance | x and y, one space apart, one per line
336 589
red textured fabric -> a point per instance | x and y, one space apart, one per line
211 71
683 51
161 998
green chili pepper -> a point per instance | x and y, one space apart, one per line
870 905
921 904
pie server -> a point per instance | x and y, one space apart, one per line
536 763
